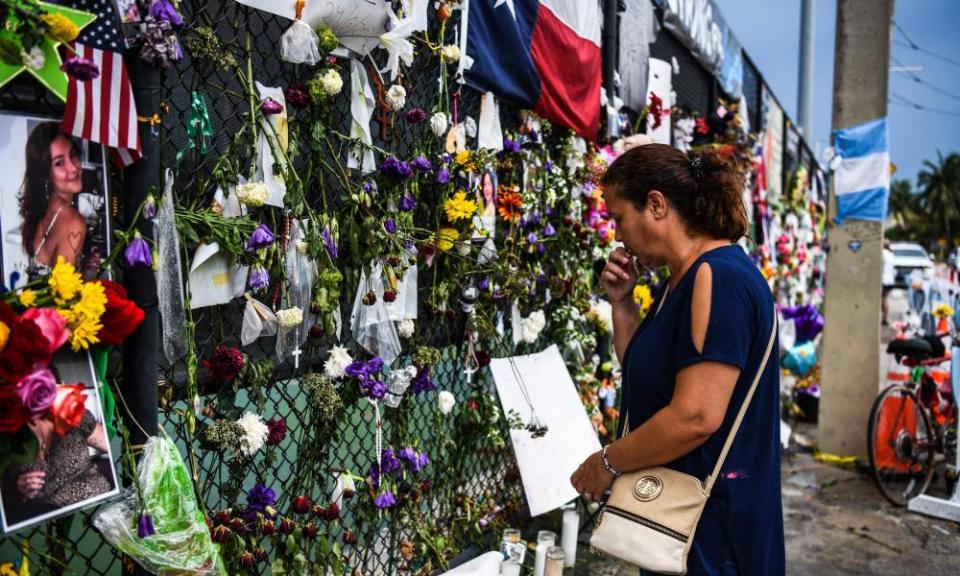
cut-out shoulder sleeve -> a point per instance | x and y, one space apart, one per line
717 323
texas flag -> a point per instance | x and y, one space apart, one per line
540 54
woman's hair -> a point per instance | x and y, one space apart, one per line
34 195
706 187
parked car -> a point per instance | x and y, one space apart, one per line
909 257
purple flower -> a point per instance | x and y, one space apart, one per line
329 244
374 476
421 462
406 203
385 499
390 225
395 169
510 145
421 164
535 218
531 238
548 166
422 382
261 238
368 373
389 463
149 210
164 11
271 106
549 230
484 284
541 248
137 253
83 69
259 497
408 455
145 526
443 176
415 115
37 392
259 278
369 186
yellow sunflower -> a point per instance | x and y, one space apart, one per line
60 27
65 282
459 207
83 318
642 297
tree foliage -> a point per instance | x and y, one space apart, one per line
930 214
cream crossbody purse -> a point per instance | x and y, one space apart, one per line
652 514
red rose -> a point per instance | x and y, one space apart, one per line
14 365
68 408
121 316
13 416
52 326
27 339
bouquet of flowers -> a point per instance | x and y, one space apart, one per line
35 322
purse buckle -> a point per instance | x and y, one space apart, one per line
647 488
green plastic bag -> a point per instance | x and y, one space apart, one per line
181 543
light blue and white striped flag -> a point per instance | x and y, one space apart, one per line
862 178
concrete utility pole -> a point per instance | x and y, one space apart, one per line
851 337
805 86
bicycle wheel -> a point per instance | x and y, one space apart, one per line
900 444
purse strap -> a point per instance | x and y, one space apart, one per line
743 408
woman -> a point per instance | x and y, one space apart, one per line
688 365
52 227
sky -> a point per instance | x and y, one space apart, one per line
770 33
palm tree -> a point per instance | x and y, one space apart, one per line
903 206
939 201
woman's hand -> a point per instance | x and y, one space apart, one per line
31 483
592 479
619 276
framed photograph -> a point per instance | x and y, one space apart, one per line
73 469
484 223
54 200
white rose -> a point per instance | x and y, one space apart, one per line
405 329
438 124
254 433
396 97
290 318
532 325
331 82
337 362
34 59
253 194
445 402
450 53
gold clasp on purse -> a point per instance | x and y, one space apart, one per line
647 488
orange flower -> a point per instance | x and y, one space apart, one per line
509 204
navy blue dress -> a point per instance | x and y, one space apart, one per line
741 530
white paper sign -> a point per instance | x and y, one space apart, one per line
660 83
358 24
484 565
214 276
546 463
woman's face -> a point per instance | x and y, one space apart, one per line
66 176
639 231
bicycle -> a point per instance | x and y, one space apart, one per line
913 425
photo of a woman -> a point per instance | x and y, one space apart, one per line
53 200
486 195
73 466
52 226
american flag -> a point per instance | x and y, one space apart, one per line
102 110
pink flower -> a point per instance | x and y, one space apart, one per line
51 324
37 392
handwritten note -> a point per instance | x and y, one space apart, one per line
358 24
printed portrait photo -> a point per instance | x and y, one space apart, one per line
74 466
53 200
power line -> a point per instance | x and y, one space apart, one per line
914 46
907 103
920 80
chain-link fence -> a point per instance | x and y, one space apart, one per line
306 460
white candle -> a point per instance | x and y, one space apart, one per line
568 540
510 568
545 540
555 558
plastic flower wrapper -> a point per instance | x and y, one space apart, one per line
300 44
258 320
301 274
370 323
181 541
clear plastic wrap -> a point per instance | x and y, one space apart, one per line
181 543
301 273
169 278
299 44
258 320
371 324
